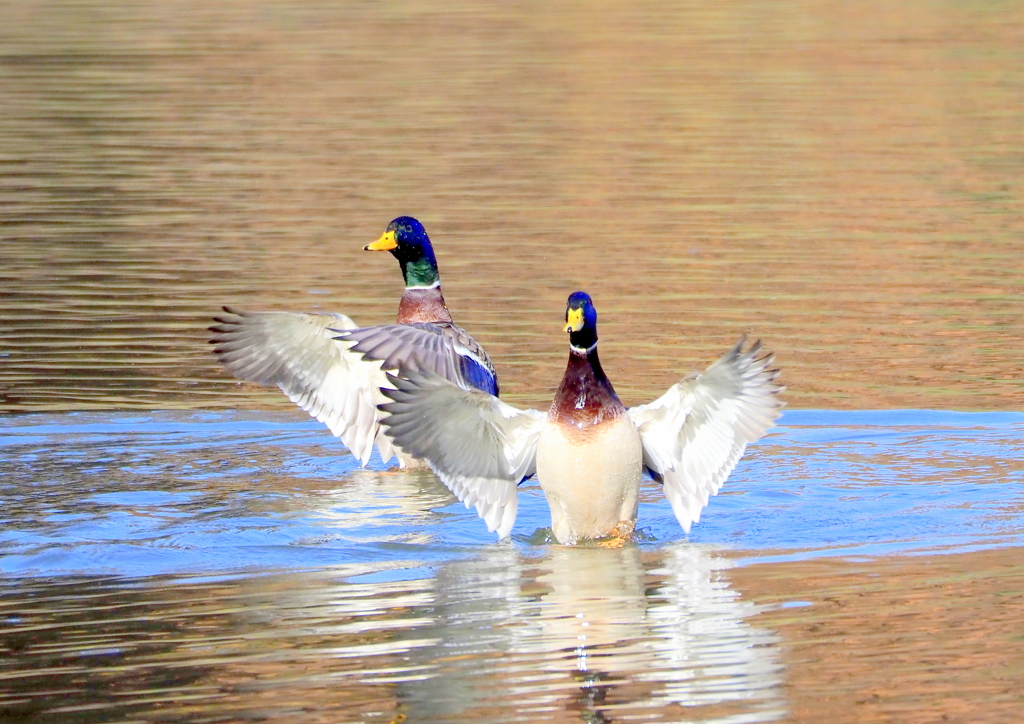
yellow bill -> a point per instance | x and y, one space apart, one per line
573 320
386 242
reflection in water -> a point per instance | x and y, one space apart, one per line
393 506
603 634
589 634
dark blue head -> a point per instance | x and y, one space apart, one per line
408 242
581 320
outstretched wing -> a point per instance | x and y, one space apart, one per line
695 433
478 445
441 348
298 353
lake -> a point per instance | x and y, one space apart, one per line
843 182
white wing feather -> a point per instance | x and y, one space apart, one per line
298 353
479 446
696 432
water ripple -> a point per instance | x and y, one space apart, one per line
166 492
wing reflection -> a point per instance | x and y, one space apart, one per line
385 506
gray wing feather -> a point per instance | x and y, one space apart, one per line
298 353
429 347
480 447
696 432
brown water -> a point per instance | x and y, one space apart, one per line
844 181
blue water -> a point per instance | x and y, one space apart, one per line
240 566
216 493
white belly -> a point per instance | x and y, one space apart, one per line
591 477
408 462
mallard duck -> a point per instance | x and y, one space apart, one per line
588 451
300 353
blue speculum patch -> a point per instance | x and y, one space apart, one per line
478 375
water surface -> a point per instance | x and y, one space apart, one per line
180 492
225 565
841 180
844 182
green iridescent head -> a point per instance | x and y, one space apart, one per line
408 242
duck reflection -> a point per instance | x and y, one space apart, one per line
592 634
559 634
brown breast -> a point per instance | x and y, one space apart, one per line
423 305
586 397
